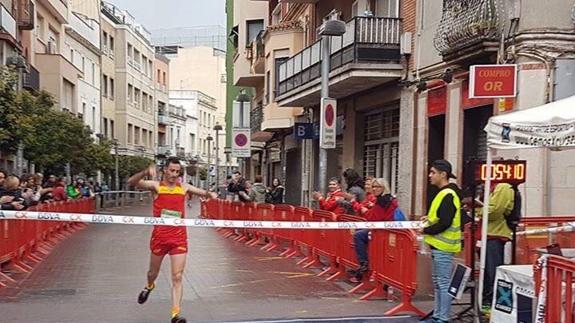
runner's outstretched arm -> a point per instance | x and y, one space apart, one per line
192 190
138 181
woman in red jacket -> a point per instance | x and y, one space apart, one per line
334 198
382 210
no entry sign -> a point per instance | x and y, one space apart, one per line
328 134
493 81
241 144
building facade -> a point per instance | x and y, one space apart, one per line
82 49
198 83
538 37
134 90
367 63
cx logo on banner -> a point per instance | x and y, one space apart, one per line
504 296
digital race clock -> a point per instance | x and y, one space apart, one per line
502 171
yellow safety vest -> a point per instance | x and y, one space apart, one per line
450 239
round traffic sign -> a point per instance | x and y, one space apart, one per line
241 139
329 115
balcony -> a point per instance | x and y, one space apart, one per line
164 150
58 8
163 119
367 55
258 55
87 29
469 29
7 23
25 12
256 119
31 81
56 71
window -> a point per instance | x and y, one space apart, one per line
145 64
164 79
112 88
130 133
72 56
130 51
150 69
159 79
136 135
278 61
83 112
145 137
105 120
130 93
150 139
381 145
193 142
387 8
112 129
94 118
84 65
137 96
144 102
104 40
253 29
40 31
52 46
111 44
105 86
68 101
93 73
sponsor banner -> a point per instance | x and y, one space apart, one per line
513 294
203 223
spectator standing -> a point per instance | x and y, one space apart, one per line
332 202
258 190
276 192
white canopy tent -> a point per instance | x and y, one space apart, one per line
550 126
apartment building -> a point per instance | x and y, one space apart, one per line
197 81
134 120
82 49
282 64
58 75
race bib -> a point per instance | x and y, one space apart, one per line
170 214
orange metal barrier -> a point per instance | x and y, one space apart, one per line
392 253
559 285
24 243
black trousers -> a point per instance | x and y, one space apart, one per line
494 258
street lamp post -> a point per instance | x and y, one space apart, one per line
329 28
209 139
116 175
218 128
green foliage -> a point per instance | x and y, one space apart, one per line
130 165
50 138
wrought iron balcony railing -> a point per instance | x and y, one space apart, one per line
465 23
256 118
31 81
25 12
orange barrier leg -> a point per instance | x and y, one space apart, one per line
378 291
7 278
405 306
340 273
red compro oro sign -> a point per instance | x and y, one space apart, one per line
493 81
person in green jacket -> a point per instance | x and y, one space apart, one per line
501 202
73 191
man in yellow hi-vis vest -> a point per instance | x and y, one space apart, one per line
442 232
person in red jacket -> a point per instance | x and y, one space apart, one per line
382 210
368 202
334 198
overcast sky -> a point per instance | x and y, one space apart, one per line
159 14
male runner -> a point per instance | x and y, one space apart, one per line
170 201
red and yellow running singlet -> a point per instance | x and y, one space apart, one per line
169 202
